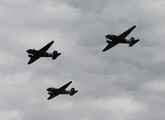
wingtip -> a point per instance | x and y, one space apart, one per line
29 62
104 50
51 42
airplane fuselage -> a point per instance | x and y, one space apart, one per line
37 53
33 52
55 91
116 39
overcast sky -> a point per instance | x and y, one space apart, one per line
123 83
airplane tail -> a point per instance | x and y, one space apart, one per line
55 54
133 41
73 91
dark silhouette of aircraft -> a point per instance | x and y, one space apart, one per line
53 92
36 54
113 40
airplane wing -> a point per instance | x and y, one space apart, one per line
46 47
127 32
32 59
64 86
52 96
110 45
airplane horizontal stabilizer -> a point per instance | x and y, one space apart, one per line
133 42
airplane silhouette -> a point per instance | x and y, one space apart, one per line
53 92
36 54
113 40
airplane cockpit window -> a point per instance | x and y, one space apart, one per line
110 35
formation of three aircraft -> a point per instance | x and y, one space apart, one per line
112 40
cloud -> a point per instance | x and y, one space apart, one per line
6 59
156 86
121 107
122 83
12 114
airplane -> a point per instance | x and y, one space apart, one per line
36 54
53 92
113 40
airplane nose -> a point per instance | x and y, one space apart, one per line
48 89
27 51
107 36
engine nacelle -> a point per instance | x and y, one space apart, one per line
50 93
108 41
30 55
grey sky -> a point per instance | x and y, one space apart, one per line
121 84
